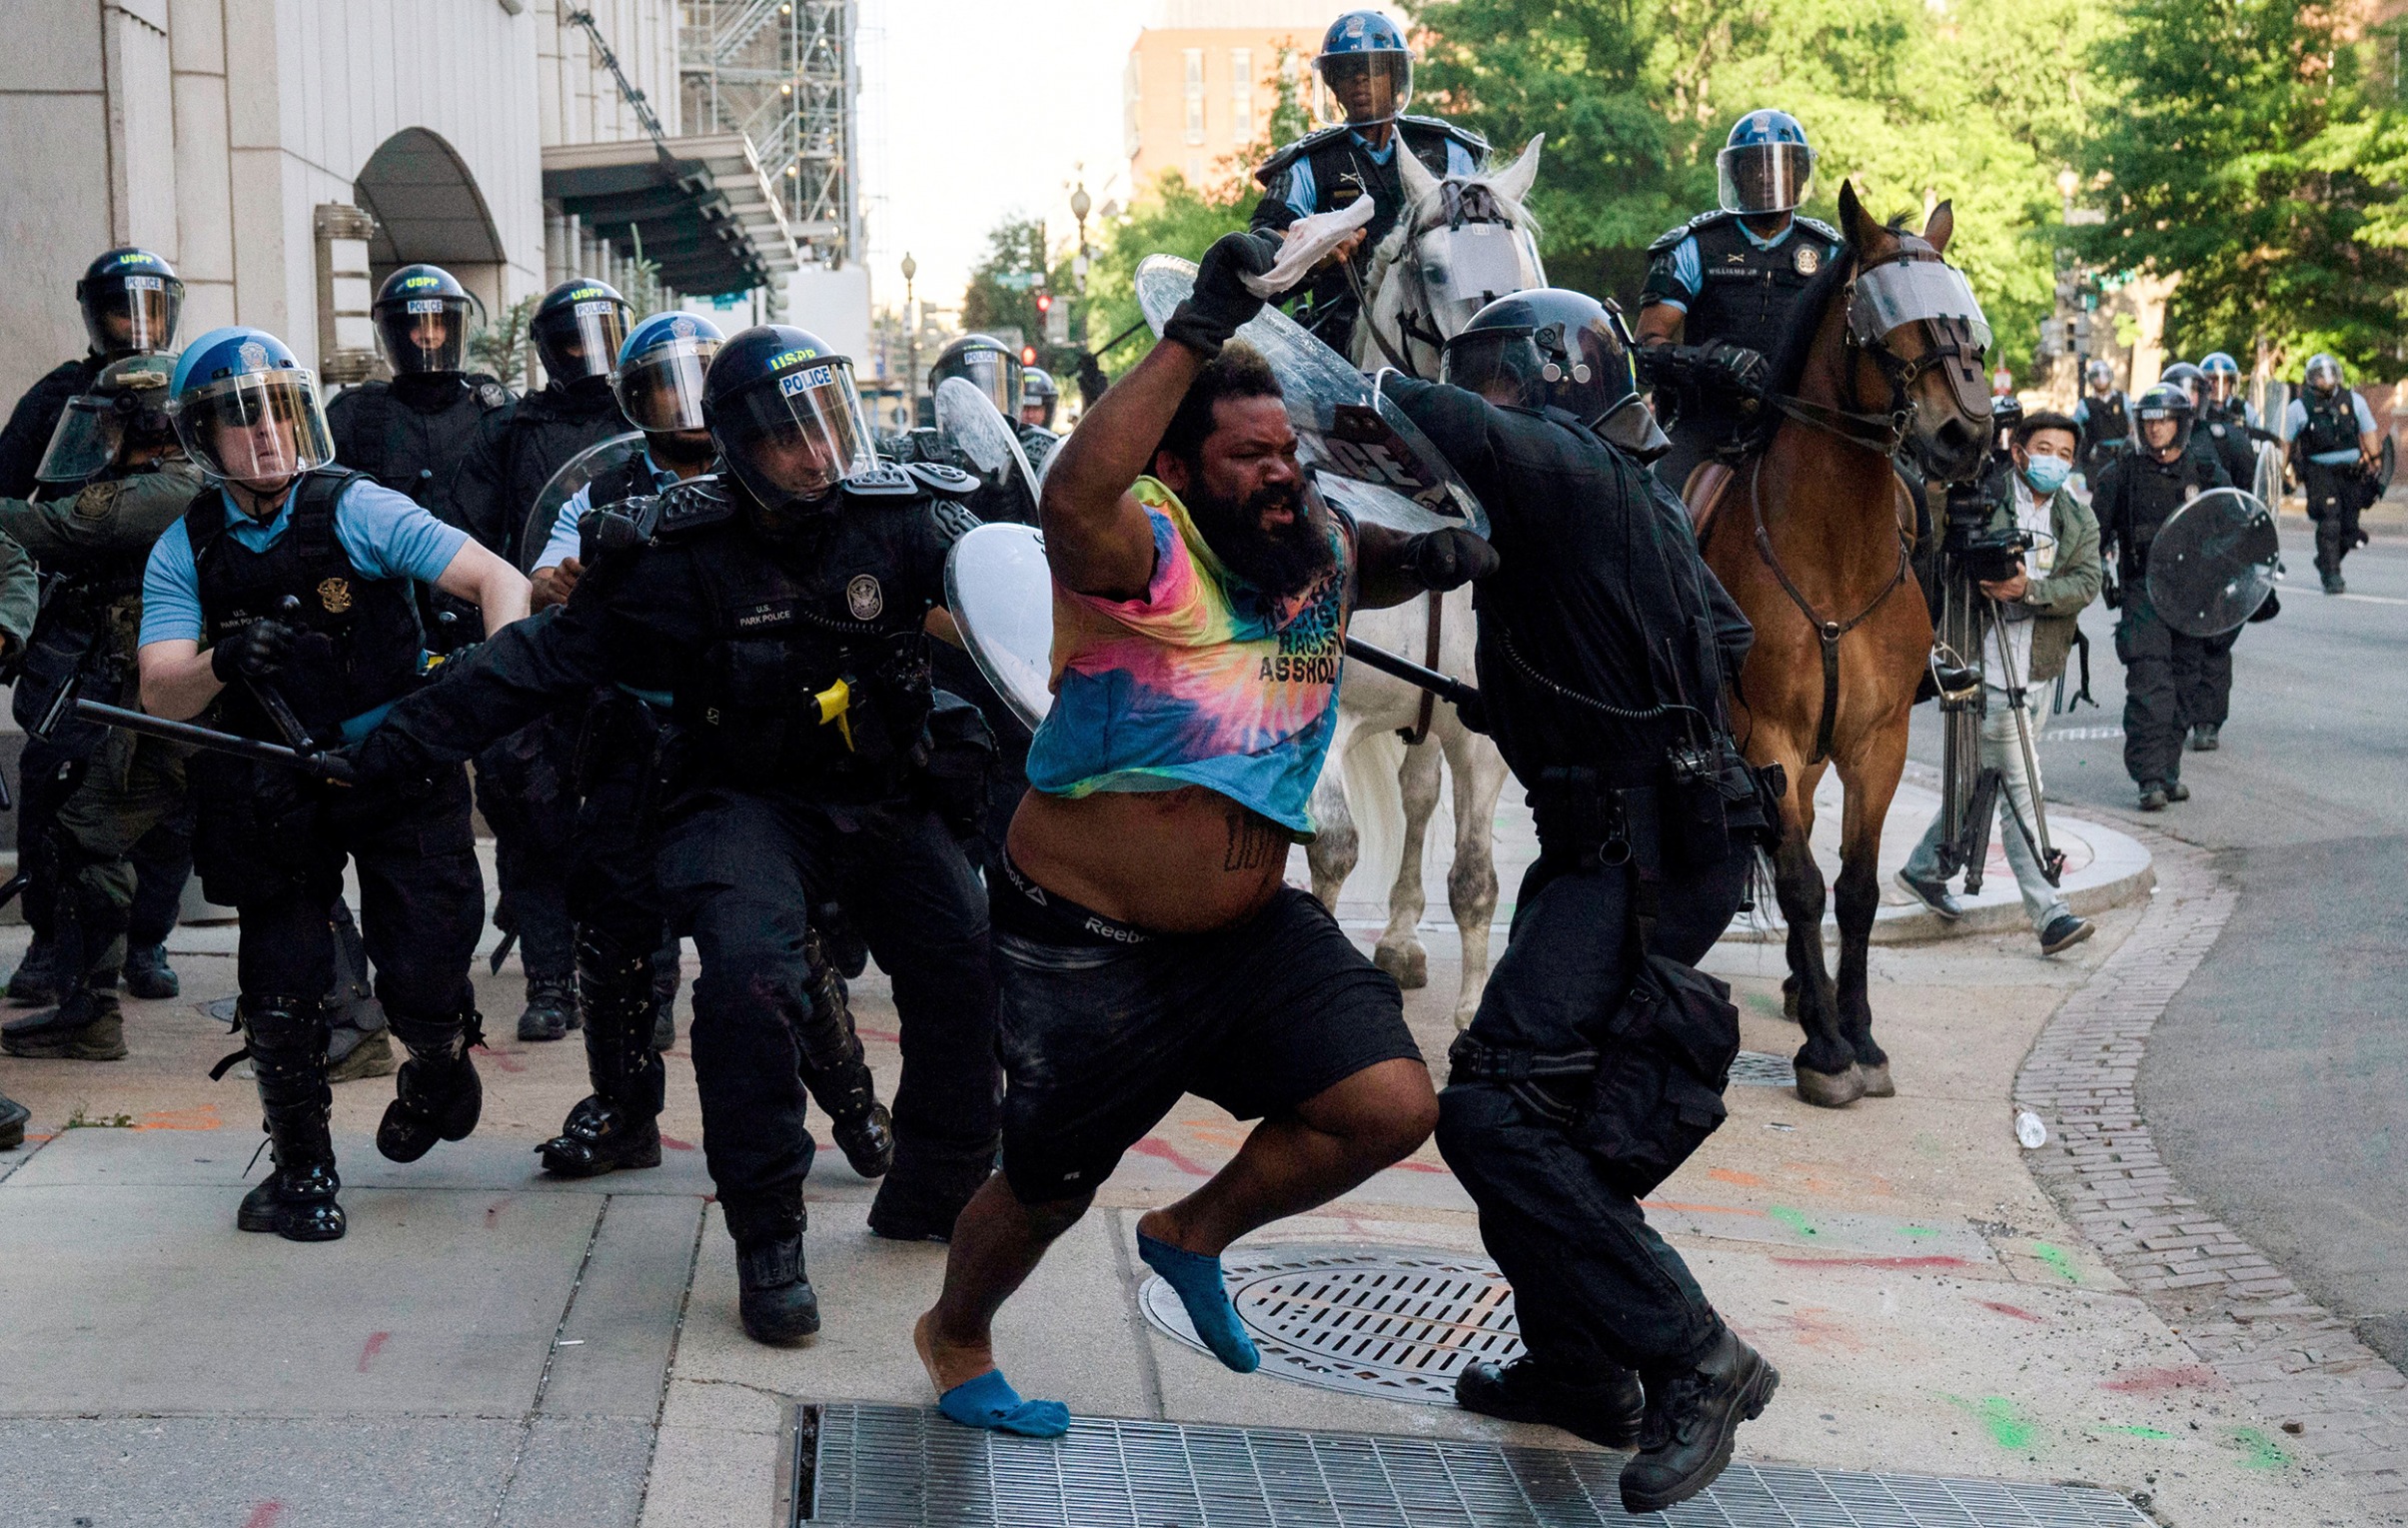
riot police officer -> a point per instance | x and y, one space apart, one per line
130 300
120 480
2105 418
1362 83
412 432
1721 289
2227 420
1039 397
778 611
298 577
988 365
1605 643
523 781
2334 447
2171 682
18 598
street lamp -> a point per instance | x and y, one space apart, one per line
2068 184
911 327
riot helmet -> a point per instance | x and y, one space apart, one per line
247 410
1765 166
131 299
126 406
2323 374
2101 377
2188 378
2223 377
782 410
659 376
987 365
1363 74
1039 396
578 330
2166 400
421 316
1549 347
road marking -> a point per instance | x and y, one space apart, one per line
2078 734
2373 599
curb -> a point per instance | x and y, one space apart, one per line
2286 1356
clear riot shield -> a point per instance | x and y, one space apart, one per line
969 421
2213 562
592 461
1001 594
1366 455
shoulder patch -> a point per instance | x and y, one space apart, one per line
1274 167
1816 225
937 477
1468 138
1674 235
695 502
491 394
882 480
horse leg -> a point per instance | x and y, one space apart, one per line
1400 953
1826 1065
1334 850
1869 782
1480 772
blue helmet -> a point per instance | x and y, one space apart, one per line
658 379
2223 376
1766 165
782 410
246 409
1363 74
131 299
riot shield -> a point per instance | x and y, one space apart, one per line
1001 594
1390 474
970 422
2268 477
2214 562
592 461
2385 461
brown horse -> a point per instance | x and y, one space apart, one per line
1810 532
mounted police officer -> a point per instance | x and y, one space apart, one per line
113 480
2171 682
412 432
2334 448
1362 83
523 781
1721 289
130 299
1605 646
284 605
778 612
2104 416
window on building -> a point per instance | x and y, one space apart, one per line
1195 95
1132 102
1241 96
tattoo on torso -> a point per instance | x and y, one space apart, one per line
1254 841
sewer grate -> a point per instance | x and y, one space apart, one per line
1754 1068
866 1466
1399 1322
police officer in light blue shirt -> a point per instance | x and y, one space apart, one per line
286 601
2334 447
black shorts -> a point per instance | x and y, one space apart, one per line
1104 1026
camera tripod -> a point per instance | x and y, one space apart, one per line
1970 793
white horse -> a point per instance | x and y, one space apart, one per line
1453 232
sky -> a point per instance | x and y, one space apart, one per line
973 110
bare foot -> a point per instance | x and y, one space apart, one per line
949 1365
1160 1226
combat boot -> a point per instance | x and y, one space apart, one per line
774 1296
12 1123
148 976
88 1026
352 1054
2152 796
1692 1417
35 981
923 1195
437 1095
551 1011
2203 737
1607 1412
619 1125
835 1072
286 1040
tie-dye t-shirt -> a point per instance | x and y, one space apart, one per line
1202 682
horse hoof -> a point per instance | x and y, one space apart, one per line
1830 1091
1409 965
1877 1080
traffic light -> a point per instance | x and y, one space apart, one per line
1028 355
1044 302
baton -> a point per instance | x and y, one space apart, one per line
1443 685
325 766
10 887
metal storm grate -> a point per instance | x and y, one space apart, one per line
1754 1068
863 1466
1399 1322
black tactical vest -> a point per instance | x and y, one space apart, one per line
2226 427
2151 490
410 436
545 430
1746 295
2105 420
2332 423
1343 173
360 638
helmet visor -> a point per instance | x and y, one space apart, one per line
258 427
991 372
2220 385
1361 88
794 437
1901 292
1586 372
1764 177
582 340
661 389
2325 374
1465 269
423 334
136 311
85 442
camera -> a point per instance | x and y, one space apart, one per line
1977 552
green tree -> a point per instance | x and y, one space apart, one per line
1172 217
500 348
1001 294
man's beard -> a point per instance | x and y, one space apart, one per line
1281 561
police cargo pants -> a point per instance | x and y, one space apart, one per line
132 792
2171 682
524 789
2333 493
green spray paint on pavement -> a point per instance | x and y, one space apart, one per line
2257 1450
2142 1432
1794 1219
2055 1257
2007 1427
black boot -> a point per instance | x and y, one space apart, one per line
774 1296
437 1095
88 1026
619 1124
1607 1412
923 1195
1692 1417
148 976
12 1123
550 1008
36 978
836 1072
287 1038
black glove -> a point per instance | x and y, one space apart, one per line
1221 303
2111 591
1746 370
2271 609
388 758
258 651
1449 559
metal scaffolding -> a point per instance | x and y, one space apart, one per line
782 73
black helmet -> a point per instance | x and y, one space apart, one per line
131 299
2168 400
2188 378
987 365
578 327
421 317
1549 347
1037 390
2324 374
125 405
784 415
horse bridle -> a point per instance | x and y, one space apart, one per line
1459 202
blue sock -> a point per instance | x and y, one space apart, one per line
990 1402
1197 1278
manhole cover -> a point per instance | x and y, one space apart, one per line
1754 1068
1399 1322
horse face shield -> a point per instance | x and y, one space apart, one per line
1927 291
1467 267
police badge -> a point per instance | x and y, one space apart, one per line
1807 259
864 597
335 595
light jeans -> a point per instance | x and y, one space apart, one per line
2004 751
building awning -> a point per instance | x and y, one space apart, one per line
706 212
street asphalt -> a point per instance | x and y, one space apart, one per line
2273 1082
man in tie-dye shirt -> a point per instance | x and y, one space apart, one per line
1146 941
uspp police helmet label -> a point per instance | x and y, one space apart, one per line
806 379
864 597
